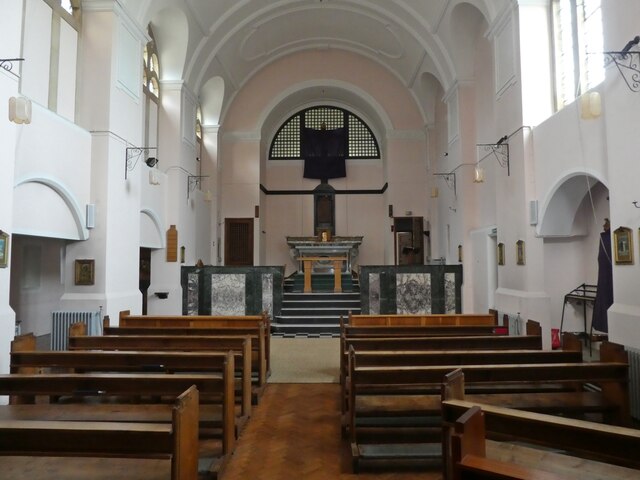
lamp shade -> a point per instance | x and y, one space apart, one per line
19 110
478 175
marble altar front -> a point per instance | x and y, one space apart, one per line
300 247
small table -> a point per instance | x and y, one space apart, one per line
337 271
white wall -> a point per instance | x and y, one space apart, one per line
37 281
243 151
620 107
52 181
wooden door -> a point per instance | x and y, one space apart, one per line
238 241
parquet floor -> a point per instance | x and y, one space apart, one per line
294 434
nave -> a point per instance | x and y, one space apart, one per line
295 434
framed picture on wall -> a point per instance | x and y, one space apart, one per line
623 245
520 252
85 272
501 254
4 249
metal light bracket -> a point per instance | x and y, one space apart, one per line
450 179
7 65
193 182
132 156
500 150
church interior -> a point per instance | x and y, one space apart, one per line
302 163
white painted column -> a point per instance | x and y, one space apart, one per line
110 106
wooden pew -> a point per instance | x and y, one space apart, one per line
256 332
424 330
571 354
173 343
25 360
474 342
97 388
411 392
427 319
177 440
202 321
611 400
469 423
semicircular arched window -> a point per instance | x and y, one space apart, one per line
286 144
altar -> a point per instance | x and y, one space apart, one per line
347 247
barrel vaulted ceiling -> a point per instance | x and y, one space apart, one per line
422 42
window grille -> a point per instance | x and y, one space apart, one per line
286 142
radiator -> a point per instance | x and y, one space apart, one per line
61 321
634 381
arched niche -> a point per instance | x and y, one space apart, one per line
171 31
467 25
559 215
211 99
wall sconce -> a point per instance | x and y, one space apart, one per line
133 154
19 110
627 63
182 250
434 192
208 196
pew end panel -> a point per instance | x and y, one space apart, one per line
186 416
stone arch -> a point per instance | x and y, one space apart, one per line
558 216
157 223
67 196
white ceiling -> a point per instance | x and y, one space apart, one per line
233 39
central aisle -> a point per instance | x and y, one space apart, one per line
295 434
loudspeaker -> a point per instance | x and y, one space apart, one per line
533 212
91 215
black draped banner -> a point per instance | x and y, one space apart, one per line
604 293
324 152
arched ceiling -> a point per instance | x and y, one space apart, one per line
233 39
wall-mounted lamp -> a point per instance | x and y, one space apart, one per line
434 192
628 63
182 251
6 64
19 110
162 295
133 154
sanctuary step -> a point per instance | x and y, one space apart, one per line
317 312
